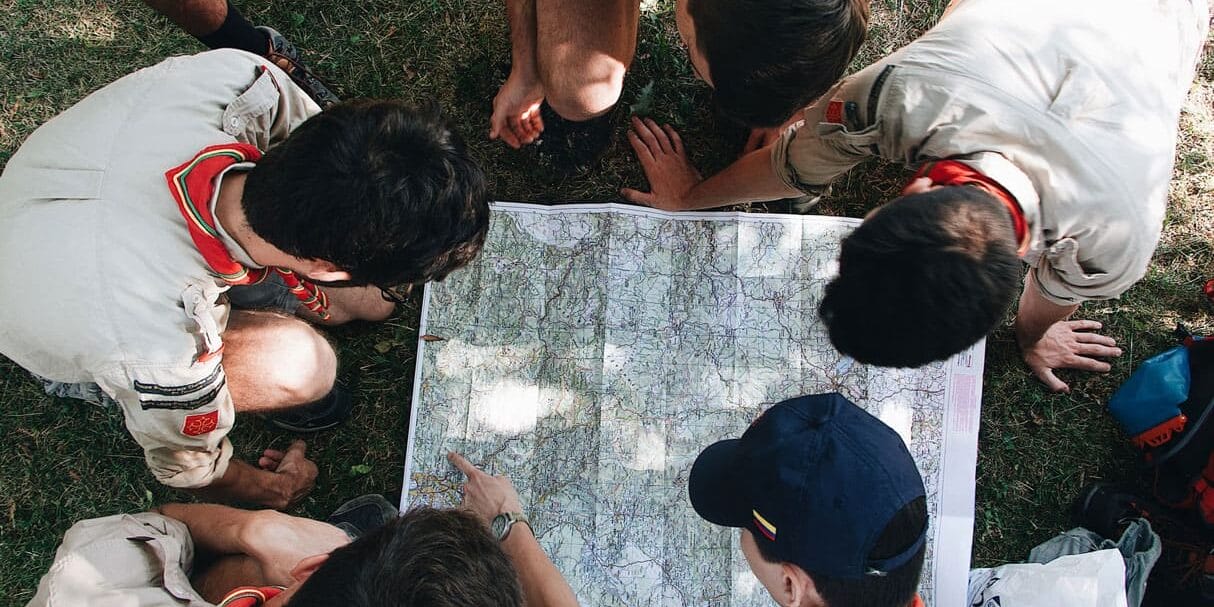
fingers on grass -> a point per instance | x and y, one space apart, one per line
646 135
676 142
1084 363
643 151
1051 381
1097 350
1084 325
1095 338
637 196
659 136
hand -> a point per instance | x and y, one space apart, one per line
486 495
278 542
670 174
1069 344
516 110
296 473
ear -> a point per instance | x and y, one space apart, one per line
323 271
305 568
918 186
799 587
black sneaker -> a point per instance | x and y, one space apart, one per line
362 515
328 412
286 56
568 147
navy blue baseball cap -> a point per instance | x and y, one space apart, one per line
816 479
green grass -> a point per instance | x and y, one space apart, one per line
61 461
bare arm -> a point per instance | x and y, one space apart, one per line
543 585
677 186
252 547
516 108
489 496
1048 341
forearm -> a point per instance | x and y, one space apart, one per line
750 179
543 585
216 530
521 14
244 483
1037 314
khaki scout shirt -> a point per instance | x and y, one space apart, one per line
1071 105
127 560
102 282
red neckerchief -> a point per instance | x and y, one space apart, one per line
250 596
951 172
192 185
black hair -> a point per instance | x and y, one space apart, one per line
382 190
896 588
923 278
426 558
769 58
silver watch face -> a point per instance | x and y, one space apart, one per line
499 525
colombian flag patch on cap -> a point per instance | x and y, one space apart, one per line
768 529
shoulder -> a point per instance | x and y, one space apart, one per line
143 558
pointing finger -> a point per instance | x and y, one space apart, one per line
464 465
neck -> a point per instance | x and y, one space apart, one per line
229 212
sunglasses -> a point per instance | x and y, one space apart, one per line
398 295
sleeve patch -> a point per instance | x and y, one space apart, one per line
200 423
160 390
183 405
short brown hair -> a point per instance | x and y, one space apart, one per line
428 557
769 58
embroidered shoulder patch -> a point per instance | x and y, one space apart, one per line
200 423
834 112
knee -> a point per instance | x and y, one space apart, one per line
303 366
580 89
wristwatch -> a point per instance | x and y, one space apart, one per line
503 522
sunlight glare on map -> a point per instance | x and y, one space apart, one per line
897 413
650 449
509 407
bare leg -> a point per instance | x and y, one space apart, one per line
196 17
274 361
583 50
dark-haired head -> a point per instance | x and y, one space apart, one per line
428 557
383 191
923 278
895 588
769 58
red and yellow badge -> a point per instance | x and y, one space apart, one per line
765 527
201 423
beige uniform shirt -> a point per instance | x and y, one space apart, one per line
1071 105
102 282
127 560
